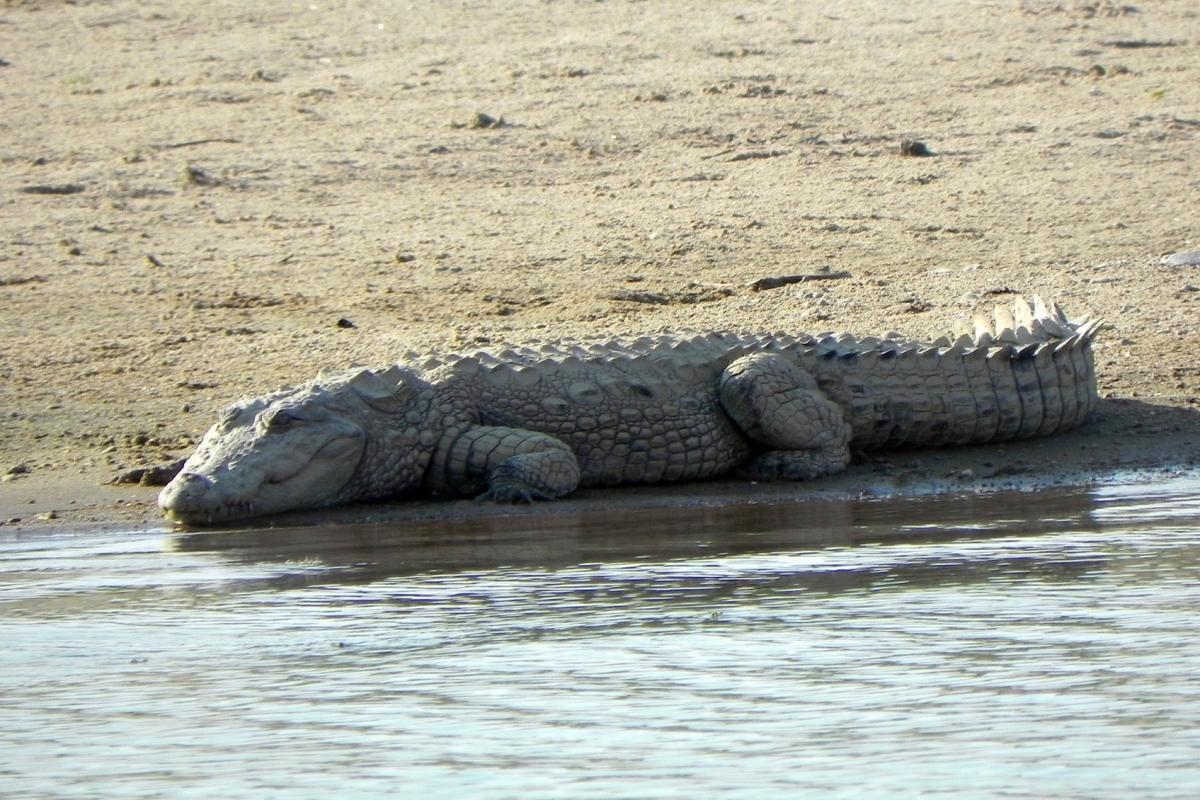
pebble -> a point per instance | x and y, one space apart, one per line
1184 258
914 148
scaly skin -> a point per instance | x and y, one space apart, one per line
530 424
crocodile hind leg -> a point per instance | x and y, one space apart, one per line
779 405
514 464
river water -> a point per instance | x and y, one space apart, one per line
1007 646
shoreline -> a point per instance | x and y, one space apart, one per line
1116 446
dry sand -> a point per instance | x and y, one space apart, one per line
208 199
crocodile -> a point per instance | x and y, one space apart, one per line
536 422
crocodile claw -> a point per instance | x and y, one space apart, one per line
512 492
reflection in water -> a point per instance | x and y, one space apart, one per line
1028 645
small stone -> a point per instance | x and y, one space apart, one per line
197 177
914 148
482 120
1184 258
345 323
18 469
46 516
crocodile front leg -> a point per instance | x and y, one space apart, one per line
508 464
778 404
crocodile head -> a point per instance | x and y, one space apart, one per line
353 437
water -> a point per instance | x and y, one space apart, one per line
1038 645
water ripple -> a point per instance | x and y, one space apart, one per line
1038 645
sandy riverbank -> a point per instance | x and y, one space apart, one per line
202 201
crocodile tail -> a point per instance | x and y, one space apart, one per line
1026 371
1040 366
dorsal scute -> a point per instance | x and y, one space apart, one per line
975 353
528 374
1021 322
1088 330
1022 313
1003 332
1067 344
1000 353
1053 327
465 366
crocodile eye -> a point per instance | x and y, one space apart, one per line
280 421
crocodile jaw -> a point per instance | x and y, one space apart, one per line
238 474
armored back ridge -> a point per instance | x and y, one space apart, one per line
535 423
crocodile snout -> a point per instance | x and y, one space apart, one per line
192 497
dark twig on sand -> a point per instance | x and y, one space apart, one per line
195 142
776 281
